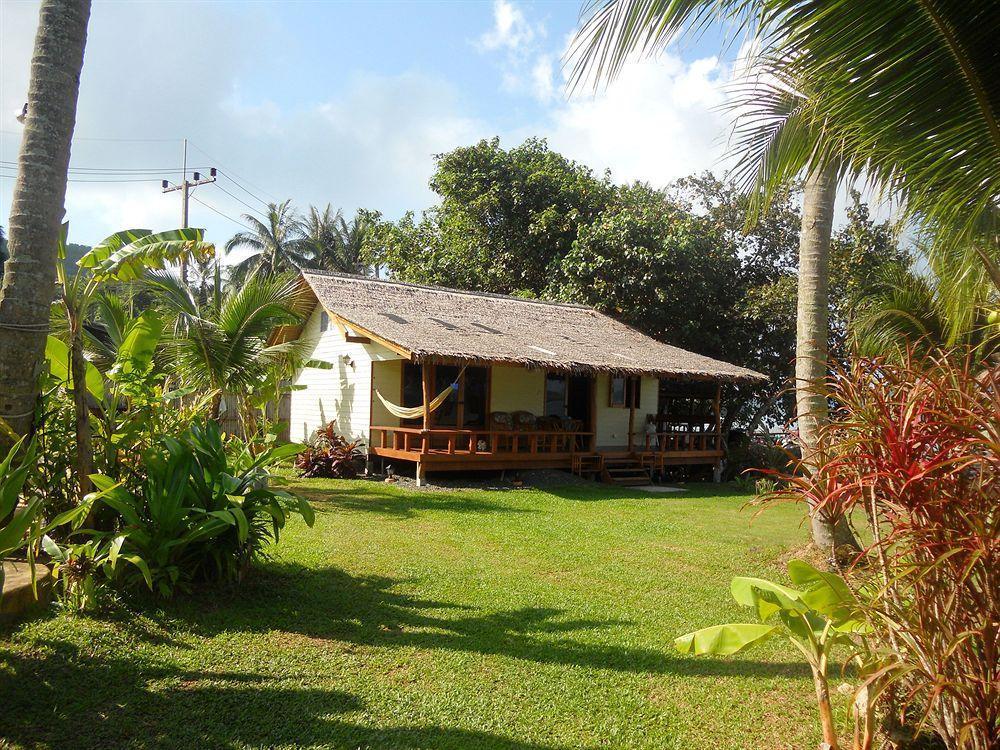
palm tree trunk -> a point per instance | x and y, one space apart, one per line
37 205
812 338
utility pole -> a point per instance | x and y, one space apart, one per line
185 187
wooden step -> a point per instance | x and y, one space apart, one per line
626 472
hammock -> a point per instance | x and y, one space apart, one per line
415 412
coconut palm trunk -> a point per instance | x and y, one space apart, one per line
37 205
812 338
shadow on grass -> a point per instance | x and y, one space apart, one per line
329 604
61 697
401 503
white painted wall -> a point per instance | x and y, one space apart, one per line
612 421
343 393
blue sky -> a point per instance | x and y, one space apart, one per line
343 103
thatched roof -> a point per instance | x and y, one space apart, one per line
430 323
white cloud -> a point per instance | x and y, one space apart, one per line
511 29
543 79
659 120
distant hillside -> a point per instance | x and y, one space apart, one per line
73 253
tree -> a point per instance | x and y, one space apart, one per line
505 219
223 349
276 244
615 30
332 243
37 205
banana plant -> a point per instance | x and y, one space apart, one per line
15 522
122 257
819 615
21 518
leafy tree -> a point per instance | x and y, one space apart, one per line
332 243
505 220
223 348
653 265
276 244
828 99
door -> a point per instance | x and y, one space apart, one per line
580 400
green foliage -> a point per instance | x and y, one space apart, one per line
223 348
816 617
275 244
204 509
333 243
529 222
329 455
506 218
15 522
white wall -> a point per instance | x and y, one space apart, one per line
612 421
342 393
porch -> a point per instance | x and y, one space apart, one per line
440 449
509 417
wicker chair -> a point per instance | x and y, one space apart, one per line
502 421
524 420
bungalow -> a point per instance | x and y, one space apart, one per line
452 380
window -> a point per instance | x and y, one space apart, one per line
445 415
467 408
475 396
555 395
625 391
324 321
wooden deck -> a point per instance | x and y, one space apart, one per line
441 449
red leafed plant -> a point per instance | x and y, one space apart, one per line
329 455
916 446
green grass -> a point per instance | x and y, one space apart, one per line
514 620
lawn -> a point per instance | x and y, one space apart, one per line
516 620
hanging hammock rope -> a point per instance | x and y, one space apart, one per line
415 412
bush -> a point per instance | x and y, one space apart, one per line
205 510
751 456
329 455
916 447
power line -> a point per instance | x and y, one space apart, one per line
110 140
210 207
112 181
239 200
256 198
233 176
111 170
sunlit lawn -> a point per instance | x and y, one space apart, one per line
516 620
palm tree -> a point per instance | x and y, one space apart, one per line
334 244
276 244
37 206
901 91
223 349
910 313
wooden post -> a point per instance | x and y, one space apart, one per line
425 377
717 473
421 474
631 426
718 416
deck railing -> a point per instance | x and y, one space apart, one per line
677 442
481 441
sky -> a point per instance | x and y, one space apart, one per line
343 103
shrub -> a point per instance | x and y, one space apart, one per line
751 456
916 447
329 455
205 509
